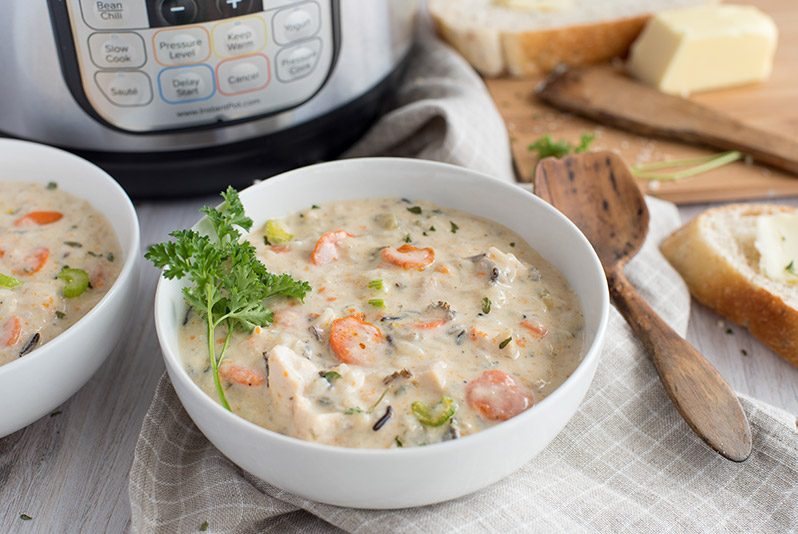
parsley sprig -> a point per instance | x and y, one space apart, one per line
229 283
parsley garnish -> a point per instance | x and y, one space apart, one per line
109 257
350 411
512 243
59 314
204 526
505 342
791 267
25 517
314 207
230 284
377 303
744 352
52 185
455 228
431 228
329 375
415 209
729 331
485 305
408 239
546 146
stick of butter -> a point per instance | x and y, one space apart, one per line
699 48
777 243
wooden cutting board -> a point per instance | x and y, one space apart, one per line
771 106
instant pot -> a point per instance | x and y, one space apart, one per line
176 97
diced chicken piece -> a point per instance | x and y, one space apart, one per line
314 425
496 341
507 265
433 377
289 374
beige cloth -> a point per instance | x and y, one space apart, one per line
625 462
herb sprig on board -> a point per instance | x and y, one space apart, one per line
230 286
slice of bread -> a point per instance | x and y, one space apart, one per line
716 255
499 39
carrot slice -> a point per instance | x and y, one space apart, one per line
326 249
10 332
429 325
354 340
497 396
279 249
409 257
535 327
240 374
34 262
38 218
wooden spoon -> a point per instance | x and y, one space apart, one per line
597 192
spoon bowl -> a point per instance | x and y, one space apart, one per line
597 192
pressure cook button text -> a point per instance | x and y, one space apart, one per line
243 75
181 47
186 84
119 14
117 50
297 23
298 61
125 88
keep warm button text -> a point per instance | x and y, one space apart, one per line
243 75
298 61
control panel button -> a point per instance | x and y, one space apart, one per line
233 8
186 84
125 88
239 37
243 75
182 46
178 12
117 50
297 23
113 15
297 61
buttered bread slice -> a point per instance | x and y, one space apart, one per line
742 261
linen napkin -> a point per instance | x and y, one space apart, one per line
625 462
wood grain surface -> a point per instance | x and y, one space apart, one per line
771 106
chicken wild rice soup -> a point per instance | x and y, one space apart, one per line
424 324
58 257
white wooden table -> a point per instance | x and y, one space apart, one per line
69 471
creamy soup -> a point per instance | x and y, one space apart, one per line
424 324
58 257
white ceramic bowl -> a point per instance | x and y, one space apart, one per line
397 478
35 384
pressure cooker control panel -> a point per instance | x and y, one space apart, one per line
155 65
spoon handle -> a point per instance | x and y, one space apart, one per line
700 394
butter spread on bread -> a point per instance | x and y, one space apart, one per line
777 243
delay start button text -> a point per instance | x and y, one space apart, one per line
186 84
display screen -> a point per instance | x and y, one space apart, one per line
178 12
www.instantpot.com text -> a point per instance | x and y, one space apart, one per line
229 106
